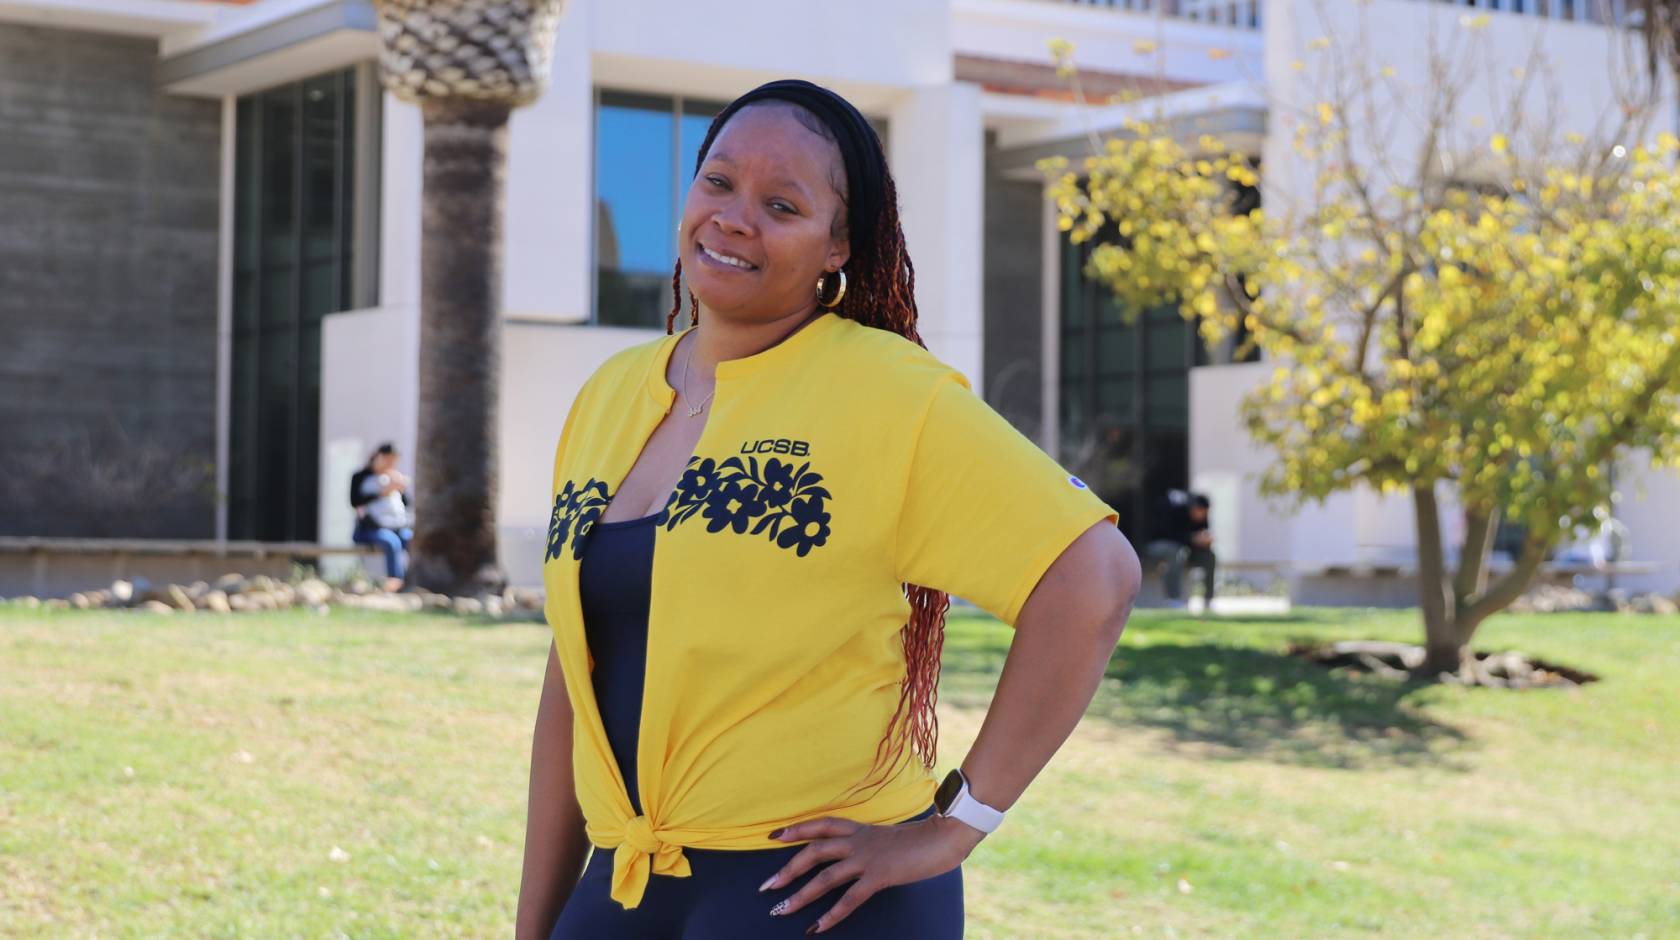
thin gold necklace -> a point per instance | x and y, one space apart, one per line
694 410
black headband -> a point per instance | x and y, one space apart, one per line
860 149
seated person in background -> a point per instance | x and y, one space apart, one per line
1186 542
379 491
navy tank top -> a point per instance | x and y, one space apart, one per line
615 581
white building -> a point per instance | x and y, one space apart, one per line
317 287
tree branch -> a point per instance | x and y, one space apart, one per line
1507 589
1472 558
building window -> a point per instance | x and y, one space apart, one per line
1124 396
1124 399
645 147
298 255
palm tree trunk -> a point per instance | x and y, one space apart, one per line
457 460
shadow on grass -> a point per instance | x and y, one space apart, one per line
1235 702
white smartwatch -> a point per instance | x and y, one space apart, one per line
953 801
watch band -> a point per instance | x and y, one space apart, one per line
963 807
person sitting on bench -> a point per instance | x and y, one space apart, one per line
1186 542
379 492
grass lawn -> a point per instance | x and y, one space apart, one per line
363 775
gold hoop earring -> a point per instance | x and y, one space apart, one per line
831 304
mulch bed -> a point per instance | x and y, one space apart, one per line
1506 669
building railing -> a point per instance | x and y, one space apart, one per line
1617 12
1245 14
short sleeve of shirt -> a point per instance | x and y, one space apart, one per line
986 512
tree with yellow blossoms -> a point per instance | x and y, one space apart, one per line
1495 322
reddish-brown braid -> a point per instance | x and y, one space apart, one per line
881 292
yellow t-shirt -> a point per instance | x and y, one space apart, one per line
833 467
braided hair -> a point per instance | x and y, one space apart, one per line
880 293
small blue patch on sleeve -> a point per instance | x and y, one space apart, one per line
1078 482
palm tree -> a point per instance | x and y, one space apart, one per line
467 64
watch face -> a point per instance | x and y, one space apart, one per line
947 793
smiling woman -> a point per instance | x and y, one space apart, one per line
748 592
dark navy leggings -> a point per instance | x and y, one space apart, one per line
719 900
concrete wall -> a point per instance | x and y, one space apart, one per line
364 402
1225 464
108 247
543 367
1650 507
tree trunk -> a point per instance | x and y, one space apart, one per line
1443 649
457 458
1453 610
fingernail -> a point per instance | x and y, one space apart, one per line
810 930
769 883
779 909
778 833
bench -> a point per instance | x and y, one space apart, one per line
1154 589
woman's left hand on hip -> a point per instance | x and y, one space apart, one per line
871 857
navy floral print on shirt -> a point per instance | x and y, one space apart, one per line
775 499
575 510
783 502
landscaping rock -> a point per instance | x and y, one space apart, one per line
56 603
1651 604
468 606
526 598
1509 669
1509 664
1614 600
387 603
179 600
232 593
1553 598
314 592
261 599
29 601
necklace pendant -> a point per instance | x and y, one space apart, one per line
696 409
